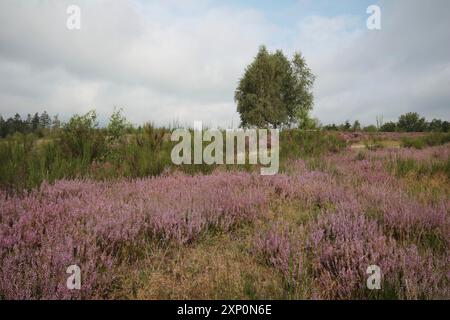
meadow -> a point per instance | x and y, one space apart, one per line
140 227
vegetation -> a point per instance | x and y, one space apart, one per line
82 149
309 232
275 91
37 124
409 122
110 200
433 139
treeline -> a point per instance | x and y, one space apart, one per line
39 124
31 124
409 122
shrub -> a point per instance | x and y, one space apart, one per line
344 243
100 225
81 138
276 249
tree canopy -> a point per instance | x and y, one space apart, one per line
275 91
411 122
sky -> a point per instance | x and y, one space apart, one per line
181 60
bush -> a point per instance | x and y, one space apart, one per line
81 137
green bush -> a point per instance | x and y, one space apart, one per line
81 138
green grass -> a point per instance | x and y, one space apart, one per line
429 140
27 160
403 167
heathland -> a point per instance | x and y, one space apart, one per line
110 201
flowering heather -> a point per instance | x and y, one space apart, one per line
379 223
96 224
363 215
379 190
406 218
310 188
278 250
344 243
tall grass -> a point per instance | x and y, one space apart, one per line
429 140
81 150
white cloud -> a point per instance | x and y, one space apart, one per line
363 74
181 60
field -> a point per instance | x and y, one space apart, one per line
148 230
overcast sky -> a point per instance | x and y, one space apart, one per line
165 61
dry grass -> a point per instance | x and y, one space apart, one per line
434 187
220 266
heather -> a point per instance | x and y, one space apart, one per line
99 225
365 219
309 232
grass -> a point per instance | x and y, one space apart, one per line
412 167
429 140
223 264
26 160
219 266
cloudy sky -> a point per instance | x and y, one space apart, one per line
170 60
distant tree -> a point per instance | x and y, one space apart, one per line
3 128
17 124
331 127
389 127
435 125
28 123
445 126
45 120
275 91
356 126
411 122
370 128
35 122
56 123
346 126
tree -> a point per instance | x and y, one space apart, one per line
303 96
35 122
346 126
304 121
17 123
45 120
81 137
56 123
370 128
118 125
356 126
3 129
389 127
275 91
411 122
28 122
331 127
435 125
